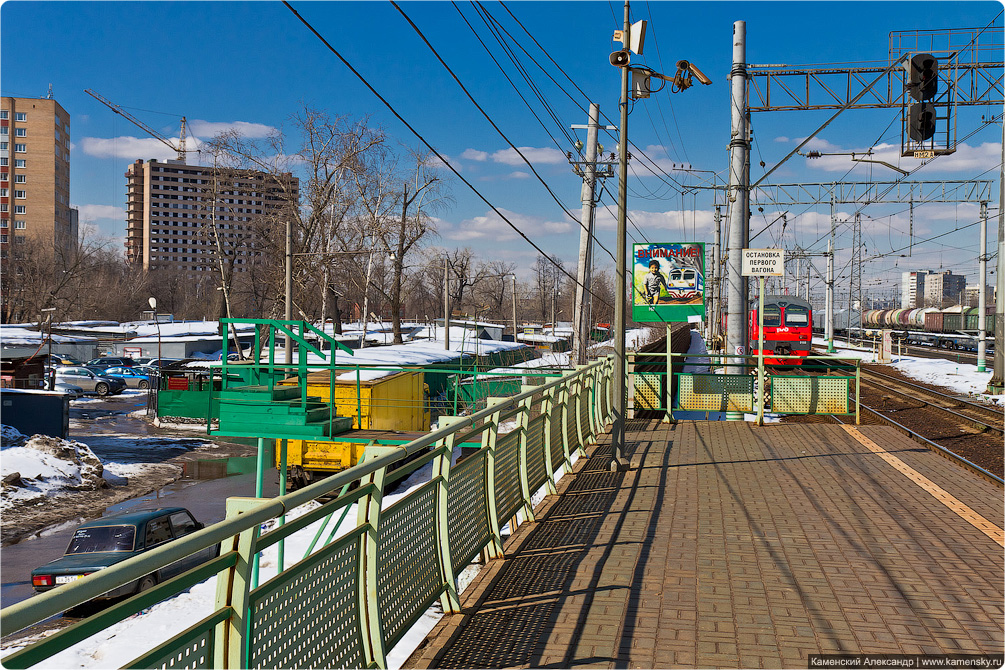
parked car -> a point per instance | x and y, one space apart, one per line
101 543
135 378
109 362
71 390
161 362
90 381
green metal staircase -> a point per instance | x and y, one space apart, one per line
269 400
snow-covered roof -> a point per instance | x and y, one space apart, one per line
20 334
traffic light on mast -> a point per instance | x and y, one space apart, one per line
923 76
923 84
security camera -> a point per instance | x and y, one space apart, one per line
684 71
699 74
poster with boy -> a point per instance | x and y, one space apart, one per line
668 281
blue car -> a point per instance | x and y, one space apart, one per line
104 542
134 378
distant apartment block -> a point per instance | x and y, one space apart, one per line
172 209
35 177
972 295
940 286
912 289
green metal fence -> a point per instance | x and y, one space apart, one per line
355 596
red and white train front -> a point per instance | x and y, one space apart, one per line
788 329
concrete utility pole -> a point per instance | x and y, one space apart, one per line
982 298
446 306
580 325
736 297
620 372
830 281
288 345
997 383
514 306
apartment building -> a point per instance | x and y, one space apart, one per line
35 177
912 289
941 286
177 214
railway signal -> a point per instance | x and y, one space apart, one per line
922 85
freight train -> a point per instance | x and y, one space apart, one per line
951 328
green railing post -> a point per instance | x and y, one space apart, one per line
564 394
547 409
369 611
581 435
441 471
858 383
489 439
359 400
282 491
588 434
525 492
233 588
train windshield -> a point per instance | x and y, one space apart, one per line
796 315
772 315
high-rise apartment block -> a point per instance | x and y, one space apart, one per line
35 178
912 289
942 286
179 216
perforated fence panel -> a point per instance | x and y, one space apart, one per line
570 428
190 649
809 395
584 412
648 391
409 573
537 473
308 616
467 514
507 477
555 434
716 393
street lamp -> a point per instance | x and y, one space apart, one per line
153 305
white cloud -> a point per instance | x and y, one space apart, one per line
966 158
127 147
210 128
492 227
532 154
95 212
518 175
475 155
680 224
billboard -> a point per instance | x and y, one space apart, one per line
668 281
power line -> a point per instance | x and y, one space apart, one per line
443 160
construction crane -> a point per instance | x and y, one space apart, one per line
180 149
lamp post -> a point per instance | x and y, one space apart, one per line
51 375
153 305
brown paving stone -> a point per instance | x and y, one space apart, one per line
742 546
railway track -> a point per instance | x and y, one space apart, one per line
968 433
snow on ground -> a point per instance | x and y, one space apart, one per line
118 644
47 466
962 378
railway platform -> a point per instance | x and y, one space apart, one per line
731 545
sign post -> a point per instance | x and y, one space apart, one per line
762 263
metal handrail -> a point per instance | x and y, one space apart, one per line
33 610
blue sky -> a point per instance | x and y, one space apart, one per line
254 64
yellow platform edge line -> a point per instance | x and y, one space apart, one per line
964 511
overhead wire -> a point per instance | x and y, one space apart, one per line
429 146
489 118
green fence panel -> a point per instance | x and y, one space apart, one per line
715 393
555 435
191 404
537 469
308 616
809 395
190 650
508 499
467 515
408 579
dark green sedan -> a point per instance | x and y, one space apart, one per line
106 541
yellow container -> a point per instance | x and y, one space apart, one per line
396 402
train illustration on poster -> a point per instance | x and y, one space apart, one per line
668 282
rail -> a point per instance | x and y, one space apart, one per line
353 597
